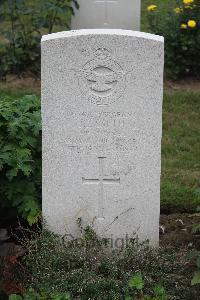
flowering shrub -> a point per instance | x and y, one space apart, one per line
181 29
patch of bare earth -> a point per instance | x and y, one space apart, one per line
176 230
26 82
29 82
187 85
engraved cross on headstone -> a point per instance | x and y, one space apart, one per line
101 181
106 2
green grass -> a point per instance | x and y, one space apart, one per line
180 150
15 93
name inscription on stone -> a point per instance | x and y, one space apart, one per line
99 119
110 132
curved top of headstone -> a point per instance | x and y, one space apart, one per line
119 32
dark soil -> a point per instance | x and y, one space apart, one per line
187 85
176 230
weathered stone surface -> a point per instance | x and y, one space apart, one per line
102 125
123 14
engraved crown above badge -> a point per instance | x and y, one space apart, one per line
102 79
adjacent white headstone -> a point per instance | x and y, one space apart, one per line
123 14
102 125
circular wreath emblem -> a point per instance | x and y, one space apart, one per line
102 79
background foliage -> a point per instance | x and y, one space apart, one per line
24 23
182 45
20 157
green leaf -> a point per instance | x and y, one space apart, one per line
128 297
33 219
60 296
196 228
197 192
15 297
159 290
136 282
198 262
29 209
193 254
196 278
32 295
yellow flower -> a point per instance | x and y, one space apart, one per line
152 7
177 10
188 2
183 26
192 23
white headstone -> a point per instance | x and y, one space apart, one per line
123 14
102 125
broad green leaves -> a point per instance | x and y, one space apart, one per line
15 297
136 282
20 156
